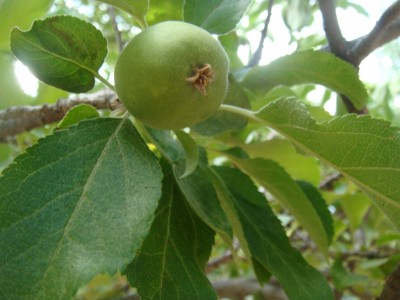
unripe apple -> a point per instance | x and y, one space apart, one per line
172 75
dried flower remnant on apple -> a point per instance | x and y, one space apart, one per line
202 78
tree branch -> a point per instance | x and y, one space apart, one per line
333 33
337 44
255 60
239 288
219 261
18 119
391 289
114 24
386 29
328 184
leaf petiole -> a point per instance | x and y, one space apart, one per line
241 111
104 81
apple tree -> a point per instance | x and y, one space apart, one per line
155 159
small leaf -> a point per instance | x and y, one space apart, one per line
309 67
77 114
136 8
75 205
62 51
342 278
355 207
219 17
365 150
275 179
282 151
171 261
260 231
224 121
297 15
191 151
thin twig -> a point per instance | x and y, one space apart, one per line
219 261
328 184
386 29
239 288
114 24
365 254
255 60
333 33
19 119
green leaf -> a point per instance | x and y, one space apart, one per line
262 234
197 188
49 94
62 51
6 156
200 194
342 278
275 179
297 14
216 16
231 43
171 261
161 10
77 114
19 13
365 150
136 8
320 207
224 121
77 204
309 67
355 207
191 151
283 152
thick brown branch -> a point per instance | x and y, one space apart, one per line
257 55
391 289
18 119
386 29
333 33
